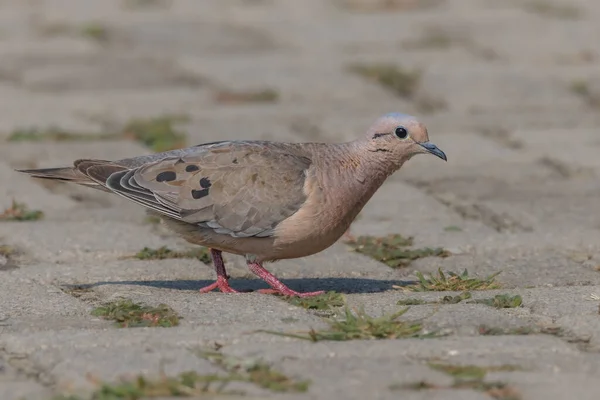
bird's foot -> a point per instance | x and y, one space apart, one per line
222 284
277 287
290 292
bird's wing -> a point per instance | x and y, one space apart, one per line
238 188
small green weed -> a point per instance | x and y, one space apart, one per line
453 282
152 220
7 251
95 31
444 300
7 255
187 384
411 302
392 249
400 81
453 228
485 330
55 134
386 6
501 301
163 253
249 96
158 133
140 4
193 385
582 342
470 372
324 301
582 89
455 299
469 377
128 314
256 372
20 212
361 326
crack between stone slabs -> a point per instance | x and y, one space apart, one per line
470 210
581 341
27 369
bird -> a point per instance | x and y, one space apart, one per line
263 200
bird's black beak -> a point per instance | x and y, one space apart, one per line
433 149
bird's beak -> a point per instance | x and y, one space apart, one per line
433 149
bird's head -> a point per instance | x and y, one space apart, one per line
398 137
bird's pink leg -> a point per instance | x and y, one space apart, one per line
276 284
222 279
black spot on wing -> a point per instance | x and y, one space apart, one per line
205 183
198 194
192 168
166 176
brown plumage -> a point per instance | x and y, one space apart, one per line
264 200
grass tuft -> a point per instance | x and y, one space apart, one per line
323 301
452 282
7 251
485 330
444 300
157 133
95 31
402 82
187 384
386 5
54 134
152 220
7 255
410 302
249 96
140 4
469 377
20 212
393 250
501 301
470 372
452 228
582 89
193 385
455 299
128 314
256 372
163 253
359 325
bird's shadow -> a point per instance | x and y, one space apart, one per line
341 285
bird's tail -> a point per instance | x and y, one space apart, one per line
78 173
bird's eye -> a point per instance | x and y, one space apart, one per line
401 132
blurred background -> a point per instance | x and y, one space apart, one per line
509 89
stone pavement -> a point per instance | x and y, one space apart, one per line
510 90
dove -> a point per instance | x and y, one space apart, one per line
263 200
